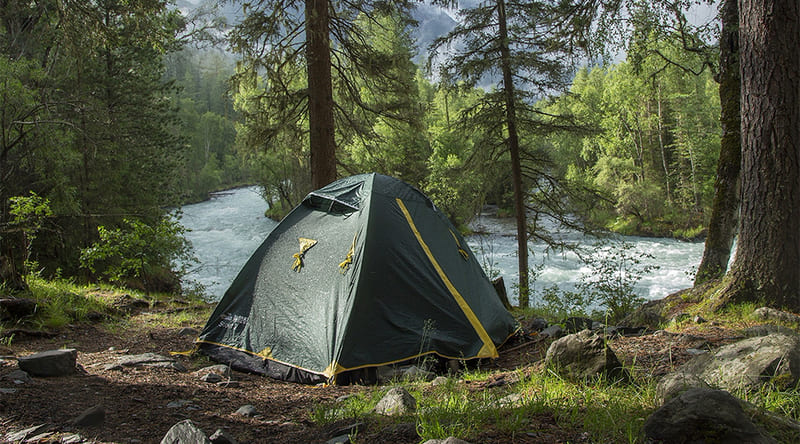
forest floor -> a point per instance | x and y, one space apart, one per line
142 403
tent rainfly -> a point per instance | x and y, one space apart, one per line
364 272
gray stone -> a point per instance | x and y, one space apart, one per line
439 380
341 439
91 417
146 360
222 437
247 410
185 432
449 440
512 400
583 355
771 314
675 383
768 329
699 319
18 377
553 331
534 325
188 331
179 404
50 363
749 363
396 401
211 378
220 369
703 415
72 438
8 391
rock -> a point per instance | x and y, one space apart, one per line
768 329
185 432
16 308
534 325
703 415
583 355
50 363
439 380
18 377
222 437
179 404
211 378
188 331
72 438
147 360
247 410
220 369
698 319
449 440
675 383
92 417
396 401
749 363
553 331
771 314
341 439
575 324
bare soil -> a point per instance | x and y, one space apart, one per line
137 401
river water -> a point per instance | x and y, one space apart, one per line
226 229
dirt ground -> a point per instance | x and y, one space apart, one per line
140 403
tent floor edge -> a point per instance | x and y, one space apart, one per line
248 363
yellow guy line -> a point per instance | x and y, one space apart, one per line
488 350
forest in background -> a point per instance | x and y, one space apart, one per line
113 117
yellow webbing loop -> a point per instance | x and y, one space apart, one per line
305 244
349 258
461 251
185 353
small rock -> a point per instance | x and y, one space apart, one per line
222 437
584 355
512 400
553 331
534 325
92 417
178 404
185 432
50 363
449 440
188 331
341 439
220 369
247 410
439 380
396 401
211 378
72 438
699 319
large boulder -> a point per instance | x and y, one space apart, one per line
50 363
747 364
584 355
701 415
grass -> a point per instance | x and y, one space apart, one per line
61 302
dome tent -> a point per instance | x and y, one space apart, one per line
364 272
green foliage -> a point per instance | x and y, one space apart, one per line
155 255
608 289
28 214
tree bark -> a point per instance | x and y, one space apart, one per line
767 264
320 94
513 148
725 208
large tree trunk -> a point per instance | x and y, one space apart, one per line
725 208
320 94
767 264
513 148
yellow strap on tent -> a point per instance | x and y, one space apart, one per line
349 258
185 353
488 350
305 245
461 251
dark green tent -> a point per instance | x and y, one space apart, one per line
364 272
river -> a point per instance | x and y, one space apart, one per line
226 229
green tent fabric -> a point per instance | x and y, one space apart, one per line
364 272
